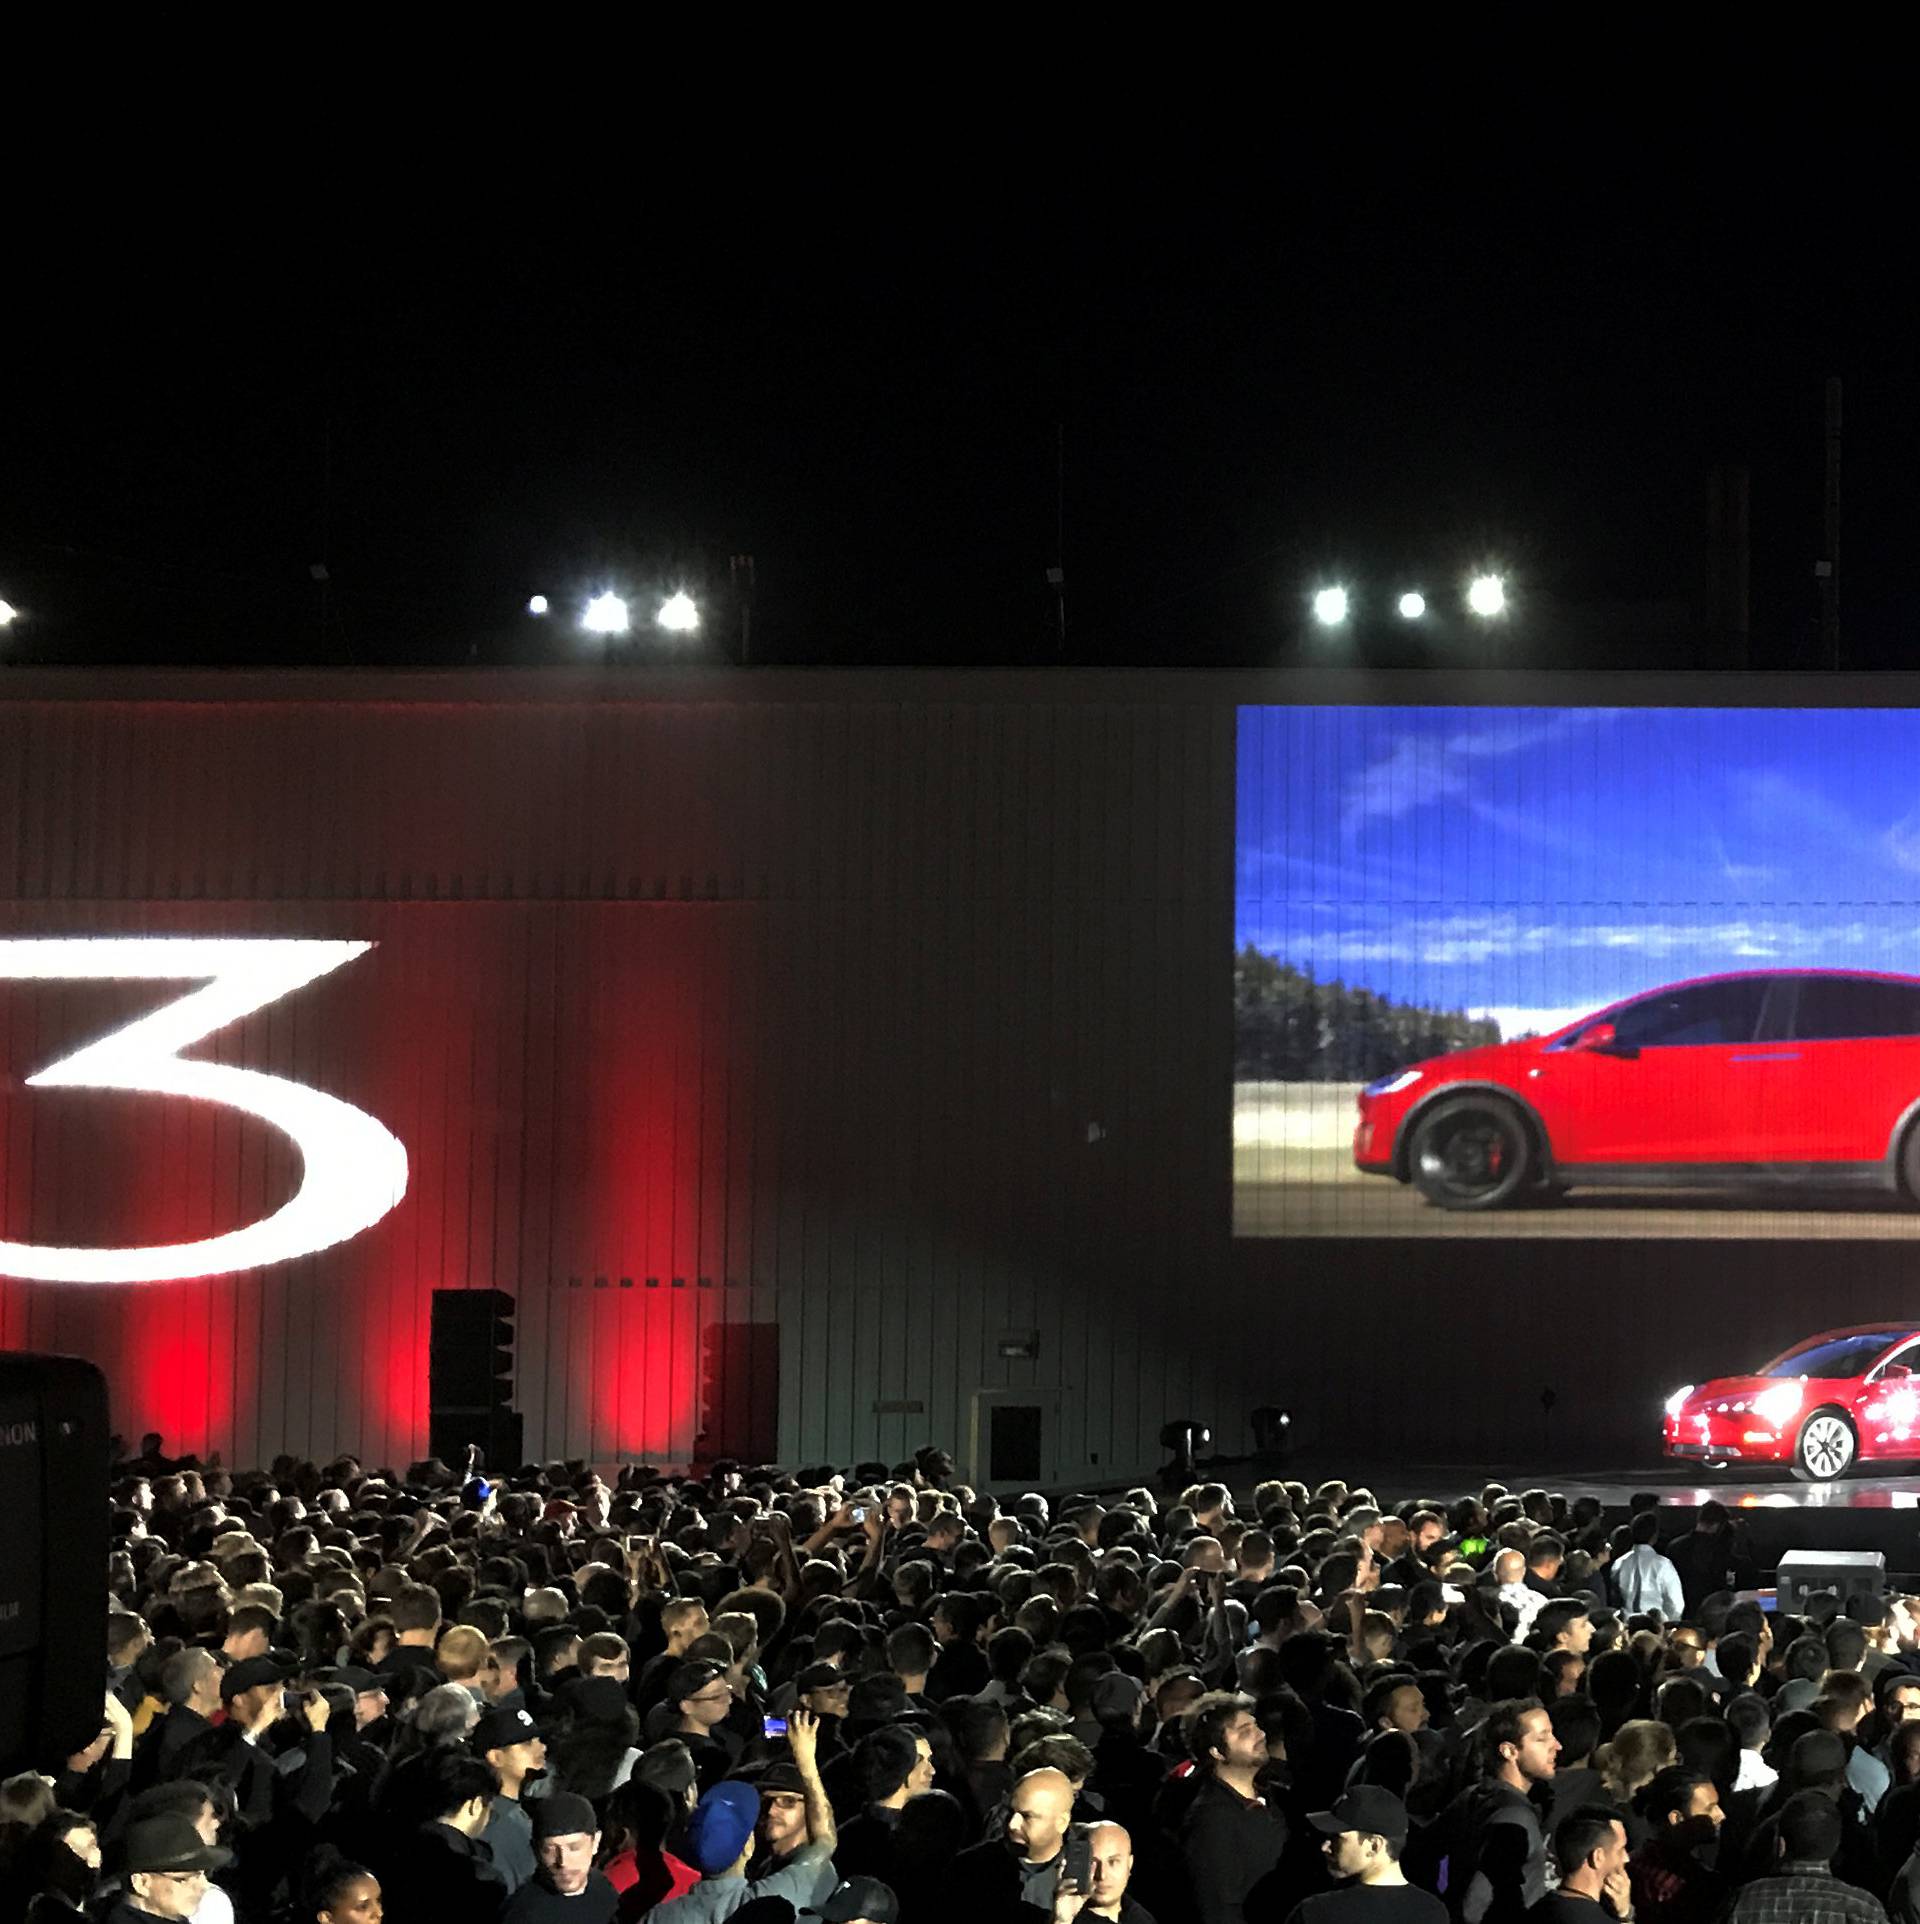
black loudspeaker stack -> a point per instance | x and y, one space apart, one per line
53 1558
470 1378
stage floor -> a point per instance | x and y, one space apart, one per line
1674 1483
1856 1513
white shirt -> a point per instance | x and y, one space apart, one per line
1646 1580
1755 1773
1527 1601
215 1907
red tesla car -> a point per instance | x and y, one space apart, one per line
1850 1396
1805 1077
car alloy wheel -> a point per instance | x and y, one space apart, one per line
1471 1153
1825 1449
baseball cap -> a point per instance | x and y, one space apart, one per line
169 1843
686 1680
248 1673
502 1729
1366 1808
564 1814
720 1826
856 1897
821 1675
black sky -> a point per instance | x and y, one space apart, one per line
1292 334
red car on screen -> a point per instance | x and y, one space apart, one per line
1852 1395
1804 1077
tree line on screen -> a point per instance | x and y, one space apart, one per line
1288 1027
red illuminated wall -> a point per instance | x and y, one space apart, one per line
565 1080
778 1046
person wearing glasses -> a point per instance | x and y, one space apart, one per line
166 1864
1686 1648
699 1698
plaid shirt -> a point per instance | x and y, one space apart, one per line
1805 1894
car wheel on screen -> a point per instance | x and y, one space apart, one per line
1826 1447
1910 1165
1471 1152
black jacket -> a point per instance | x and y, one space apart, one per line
1232 1846
1500 1852
440 1873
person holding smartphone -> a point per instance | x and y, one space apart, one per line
1097 1869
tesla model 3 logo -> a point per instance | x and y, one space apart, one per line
353 1169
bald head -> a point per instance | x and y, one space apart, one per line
1509 1566
1037 1820
1112 1867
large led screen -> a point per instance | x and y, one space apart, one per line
1577 972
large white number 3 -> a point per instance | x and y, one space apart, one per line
354 1169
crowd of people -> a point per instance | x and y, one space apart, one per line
335 1695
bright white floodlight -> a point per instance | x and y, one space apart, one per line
605 615
1487 596
536 604
9 614
1413 606
678 614
1330 607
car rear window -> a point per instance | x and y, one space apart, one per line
1832 1008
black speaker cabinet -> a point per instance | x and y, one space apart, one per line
53 1558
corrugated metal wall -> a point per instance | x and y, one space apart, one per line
827 1028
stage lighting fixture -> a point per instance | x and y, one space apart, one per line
1272 1430
1412 606
1330 607
678 614
537 604
605 615
1487 596
1187 1440
9 614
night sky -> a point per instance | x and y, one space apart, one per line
1384 337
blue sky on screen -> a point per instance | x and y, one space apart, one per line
1535 863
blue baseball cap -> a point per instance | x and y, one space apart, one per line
721 1824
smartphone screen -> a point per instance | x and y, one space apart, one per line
773 1726
1079 1865
859 1514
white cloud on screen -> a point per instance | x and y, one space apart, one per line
1421 769
1902 843
1514 1021
1477 938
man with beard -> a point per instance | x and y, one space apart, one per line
1016 1873
1673 1874
1233 1837
565 1889
1502 1861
